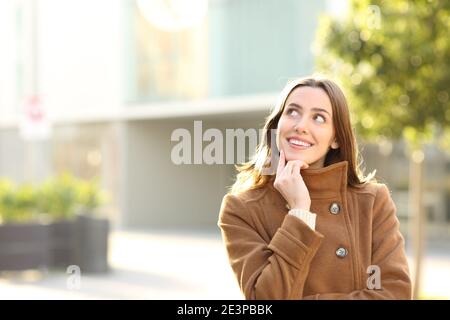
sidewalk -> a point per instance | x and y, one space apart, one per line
170 265
144 265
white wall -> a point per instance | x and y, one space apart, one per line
7 60
158 193
80 56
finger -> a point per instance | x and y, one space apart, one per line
288 168
303 164
296 168
281 163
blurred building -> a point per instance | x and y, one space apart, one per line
115 80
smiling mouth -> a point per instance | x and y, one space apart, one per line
298 144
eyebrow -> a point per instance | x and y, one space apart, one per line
293 104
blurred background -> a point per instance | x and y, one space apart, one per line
91 91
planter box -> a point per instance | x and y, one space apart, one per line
63 244
82 242
24 246
92 253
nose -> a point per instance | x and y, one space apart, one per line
301 126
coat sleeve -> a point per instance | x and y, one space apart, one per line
267 268
388 254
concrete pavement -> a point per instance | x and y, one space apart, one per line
169 265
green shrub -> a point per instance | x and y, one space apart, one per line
18 204
90 196
57 198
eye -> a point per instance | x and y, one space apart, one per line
319 118
292 112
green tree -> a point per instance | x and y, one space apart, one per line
393 59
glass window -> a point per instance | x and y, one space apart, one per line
237 48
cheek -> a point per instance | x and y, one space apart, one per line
282 126
277 137
281 130
326 137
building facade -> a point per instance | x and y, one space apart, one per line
115 82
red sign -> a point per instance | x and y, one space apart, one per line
34 124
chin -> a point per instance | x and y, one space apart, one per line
291 157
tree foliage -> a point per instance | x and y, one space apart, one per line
393 60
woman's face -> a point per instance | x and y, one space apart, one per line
305 129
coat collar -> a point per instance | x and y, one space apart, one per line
326 182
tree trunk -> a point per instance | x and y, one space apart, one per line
419 220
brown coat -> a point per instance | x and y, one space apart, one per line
277 256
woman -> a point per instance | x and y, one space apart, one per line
316 229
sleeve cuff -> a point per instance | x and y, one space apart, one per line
306 216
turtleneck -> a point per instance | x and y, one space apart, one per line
324 182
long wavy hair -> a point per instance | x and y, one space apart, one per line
250 174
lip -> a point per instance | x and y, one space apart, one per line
297 146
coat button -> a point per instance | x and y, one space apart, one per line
334 208
341 252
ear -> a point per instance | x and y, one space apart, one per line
334 145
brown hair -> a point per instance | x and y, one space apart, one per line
250 173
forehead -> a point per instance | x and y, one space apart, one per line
309 98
